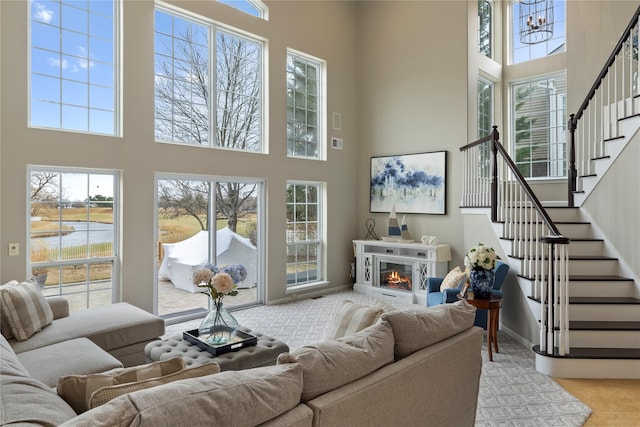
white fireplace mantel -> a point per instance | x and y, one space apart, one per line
425 261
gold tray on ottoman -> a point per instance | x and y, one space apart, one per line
241 340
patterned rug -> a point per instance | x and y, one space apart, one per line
512 392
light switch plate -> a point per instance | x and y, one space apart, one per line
337 143
14 249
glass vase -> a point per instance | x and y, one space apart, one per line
219 326
481 282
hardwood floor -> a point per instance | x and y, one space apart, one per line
614 403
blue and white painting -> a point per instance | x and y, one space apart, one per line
414 183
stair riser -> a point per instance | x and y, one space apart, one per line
591 267
576 267
589 248
604 312
605 339
565 214
601 289
573 231
576 231
587 368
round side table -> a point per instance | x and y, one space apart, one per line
493 305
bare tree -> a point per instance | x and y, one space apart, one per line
45 187
183 103
177 198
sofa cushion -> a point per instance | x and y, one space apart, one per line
454 279
24 400
77 356
231 398
416 329
76 390
331 364
105 394
351 318
25 308
109 326
4 320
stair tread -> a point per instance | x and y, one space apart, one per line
574 258
604 325
591 278
603 300
573 239
594 353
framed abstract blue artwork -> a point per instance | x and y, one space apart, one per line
413 183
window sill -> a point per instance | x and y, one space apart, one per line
306 287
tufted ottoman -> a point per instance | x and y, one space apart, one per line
264 353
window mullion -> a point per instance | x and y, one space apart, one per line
213 86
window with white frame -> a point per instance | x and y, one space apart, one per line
305 112
304 233
252 7
538 125
485 107
485 22
485 123
208 84
521 52
73 231
73 66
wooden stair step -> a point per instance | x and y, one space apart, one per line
603 300
590 278
594 353
604 325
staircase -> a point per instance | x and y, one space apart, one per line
604 312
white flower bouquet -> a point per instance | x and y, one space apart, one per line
481 256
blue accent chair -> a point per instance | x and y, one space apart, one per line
435 297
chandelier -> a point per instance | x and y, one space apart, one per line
536 21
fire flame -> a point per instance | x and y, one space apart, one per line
396 281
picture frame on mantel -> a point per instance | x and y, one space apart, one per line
413 183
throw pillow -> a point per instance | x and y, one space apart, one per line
105 394
352 318
454 279
414 330
76 390
249 397
26 309
4 319
328 365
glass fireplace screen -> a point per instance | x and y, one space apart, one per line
395 275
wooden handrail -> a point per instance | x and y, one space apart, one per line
496 147
607 65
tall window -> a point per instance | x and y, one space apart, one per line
485 123
485 21
521 52
73 233
206 221
304 107
485 107
304 233
252 7
539 116
73 66
196 63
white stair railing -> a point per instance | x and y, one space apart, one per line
491 179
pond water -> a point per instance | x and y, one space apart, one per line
95 232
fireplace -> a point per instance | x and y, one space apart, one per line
396 274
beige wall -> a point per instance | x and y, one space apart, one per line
329 35
398 74
615 208
413 99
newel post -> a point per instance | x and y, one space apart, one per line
572 172
495 137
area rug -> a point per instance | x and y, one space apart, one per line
512 392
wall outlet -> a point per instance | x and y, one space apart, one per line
14 249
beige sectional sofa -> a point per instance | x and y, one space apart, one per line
87 341
411 368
